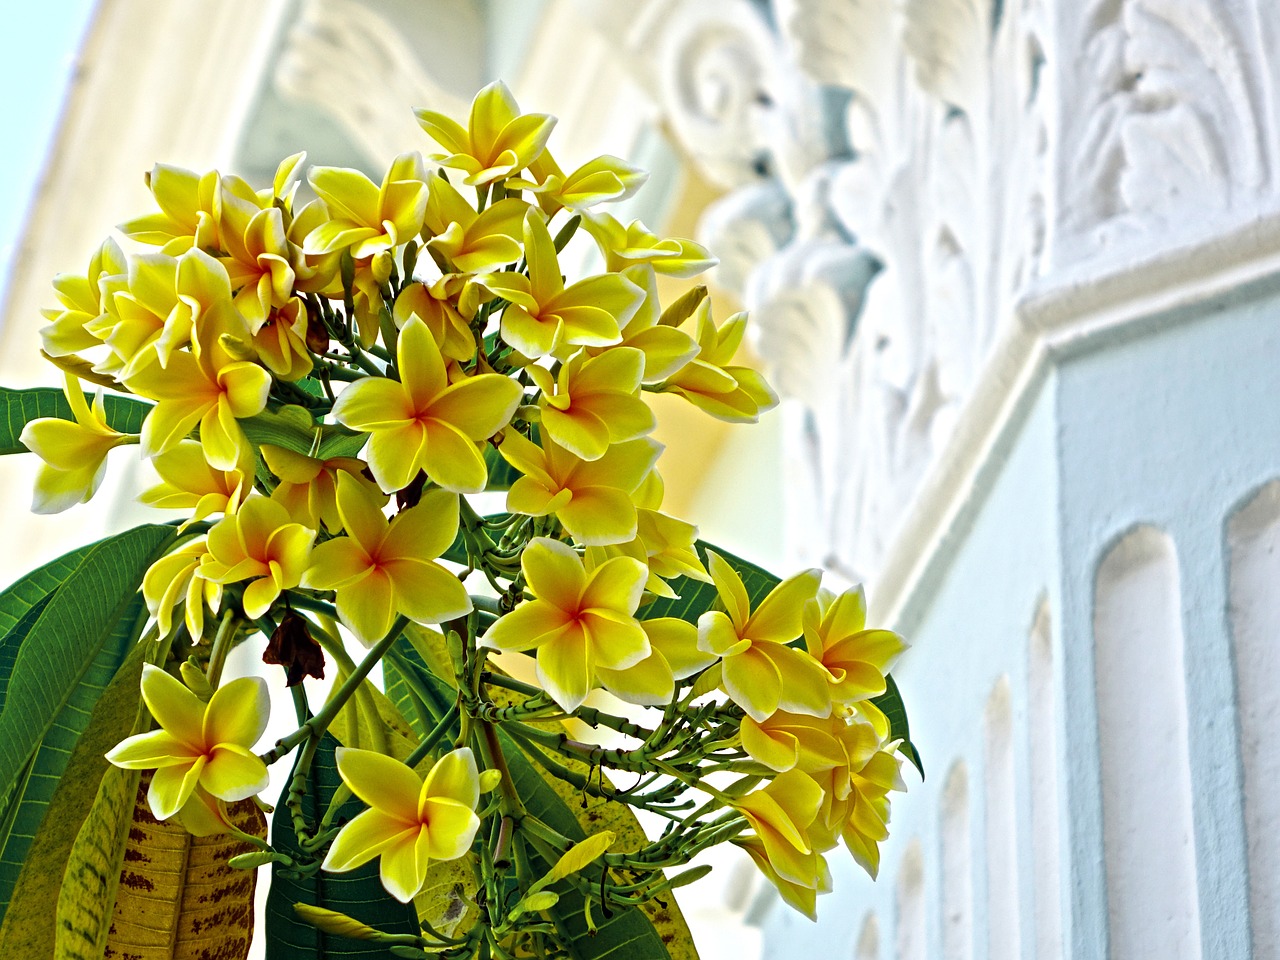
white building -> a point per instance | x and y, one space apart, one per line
1016 265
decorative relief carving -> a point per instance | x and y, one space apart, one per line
914 227
1175 128
379 75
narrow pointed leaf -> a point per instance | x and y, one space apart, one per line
64 642
358 894
68 765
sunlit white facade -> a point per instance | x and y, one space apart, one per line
1015 267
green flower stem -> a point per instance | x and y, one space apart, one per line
589 715
222 642
336 372
487 604
512 805
314 728
431 739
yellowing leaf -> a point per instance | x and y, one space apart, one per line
177 899
29 921
89 886
580 855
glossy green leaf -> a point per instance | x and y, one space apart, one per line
18 407
358 894
294 428
37 858
627 933
891 705
26 591
65 641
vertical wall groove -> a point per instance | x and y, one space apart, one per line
1253 536
1146 774
869 939
957 867
1004 934
1042 708
910 932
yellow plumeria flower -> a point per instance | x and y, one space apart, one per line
600 180
157 312
208 387
593 402
473 242
382 569
498 141
800 897
83 301
665 347
865 809
591 498
308 487
189 483
760 672
732 393
262 543
364 217
260 258
665 545
186 219
438 306
410 821
781 813
674 655
74 453
580 620
547 318
835 632
786 740
198 744
281 341
423 422
636 243
176 579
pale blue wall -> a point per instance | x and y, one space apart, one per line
1173 421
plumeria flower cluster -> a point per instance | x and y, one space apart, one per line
325 384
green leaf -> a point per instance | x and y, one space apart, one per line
64 643
294 428
891 705
25 592
74 782
625 935
359 894
696 598
19 407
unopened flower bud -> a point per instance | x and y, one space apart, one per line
339 924
257 858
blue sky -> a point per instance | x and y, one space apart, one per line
37 48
